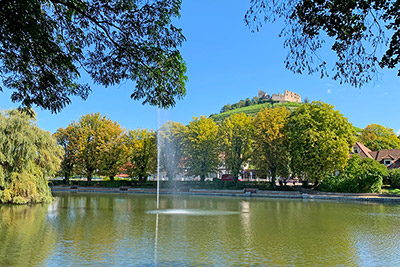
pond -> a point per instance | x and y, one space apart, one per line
123 229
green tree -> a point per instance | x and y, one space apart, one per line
359 176
358 30
201 147
226 108
241 103
235 142
67 139
115 151
271 142
255 100
320 140
171 146
394 178
377 137
235 106
96 135
142 153
28 156
45 43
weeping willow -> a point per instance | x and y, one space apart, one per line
28 156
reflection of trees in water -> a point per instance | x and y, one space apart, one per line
87 225
202 240
101 228
277 232
26 239
377 235
285 231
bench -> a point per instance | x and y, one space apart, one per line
123 188
74 187
250 190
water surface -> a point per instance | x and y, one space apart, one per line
118 229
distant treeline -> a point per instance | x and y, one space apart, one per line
251 102
252 110
245 103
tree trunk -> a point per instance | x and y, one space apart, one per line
235 179
89 178
66 178
111 177
273 176
202 178
235 174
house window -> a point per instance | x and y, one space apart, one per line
387 162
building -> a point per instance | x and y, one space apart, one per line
287 96
388 157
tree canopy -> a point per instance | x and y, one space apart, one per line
377 137
142 153
236 141
271 142
94 145
201 147
320 140
68 139
28 156
46 44
356 30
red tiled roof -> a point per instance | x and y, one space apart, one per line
387 153
365 151
380 155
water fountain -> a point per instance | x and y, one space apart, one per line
158 158
192 212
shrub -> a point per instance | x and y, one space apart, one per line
359 176
394 178
215 184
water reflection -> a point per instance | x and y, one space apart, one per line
26 237
192 212
116 229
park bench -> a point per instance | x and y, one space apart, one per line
123 188
74 187
250 190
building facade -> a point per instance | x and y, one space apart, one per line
287 96
388 157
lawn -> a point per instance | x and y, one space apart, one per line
391 191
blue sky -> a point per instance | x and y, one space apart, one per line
227 63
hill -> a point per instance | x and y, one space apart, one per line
251 110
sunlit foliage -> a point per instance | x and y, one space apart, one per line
320 140
236 142
28 157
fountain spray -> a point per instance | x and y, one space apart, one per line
158 158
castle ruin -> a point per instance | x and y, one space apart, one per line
287 96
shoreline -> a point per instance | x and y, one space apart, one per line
342 197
